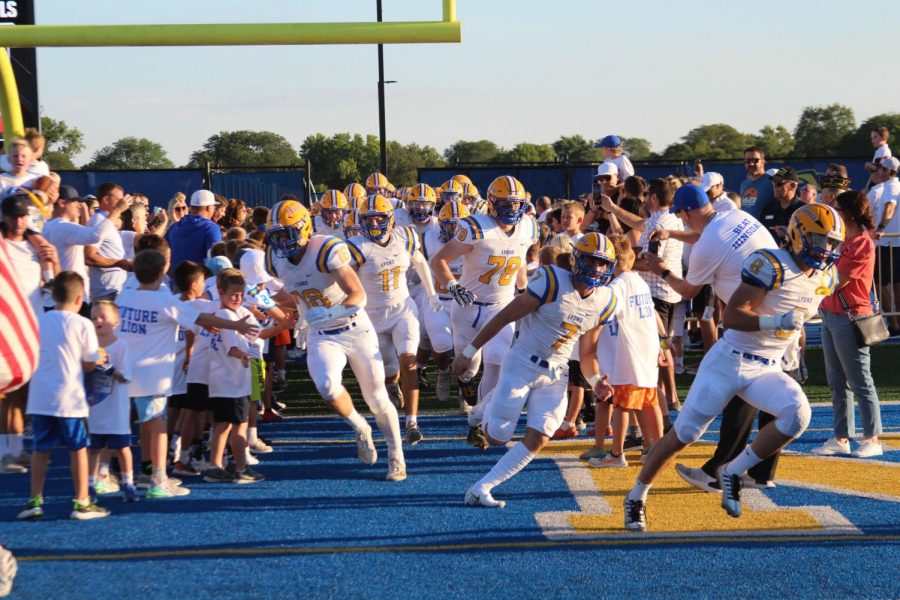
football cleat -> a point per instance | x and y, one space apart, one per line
476 437
635 515
365 447
482 498
413 434
731 492
698 478
395 394
396 470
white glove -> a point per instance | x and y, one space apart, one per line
789 321
320 314
436 304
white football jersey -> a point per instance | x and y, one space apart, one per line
382 269
552 330
787 288
322 228
310 279
401 217
421 229
431 243
489 270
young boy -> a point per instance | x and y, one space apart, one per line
56 398
149 320
230 384
38 143
110 411
20 156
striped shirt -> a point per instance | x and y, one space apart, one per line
19 342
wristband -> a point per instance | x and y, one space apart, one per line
452 284
593 380
469 351
665 273
769 322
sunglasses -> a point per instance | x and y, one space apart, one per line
751 161
605 178
180 208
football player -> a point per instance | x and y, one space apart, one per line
382 256
319 279
356 195
332 208
779 291
557 310
493 248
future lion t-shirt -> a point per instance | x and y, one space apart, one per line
149 321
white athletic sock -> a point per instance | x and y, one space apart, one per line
639 491
159 476
16 443
410 420
251 435
743 462
103 469
356 422
515 459
389 424
127 477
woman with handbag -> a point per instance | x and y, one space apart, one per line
847 360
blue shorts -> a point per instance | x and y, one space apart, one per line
113 441
50 432
149 407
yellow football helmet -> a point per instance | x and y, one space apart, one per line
356 195
420 201
815 234
376 183
289 228
461 179
595 260
332 206
449 218
470 194
377 217
451 191
352 224
506 199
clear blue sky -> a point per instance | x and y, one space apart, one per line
526 70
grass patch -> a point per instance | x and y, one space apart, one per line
303 399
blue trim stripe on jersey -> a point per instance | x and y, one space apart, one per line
324 253
356 254
607 313
474 227
551 292
270 264
779 268
410 239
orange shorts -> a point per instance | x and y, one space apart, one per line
631 397
283 338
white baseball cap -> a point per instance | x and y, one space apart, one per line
203 198
771 172
711 178
607 168
891 163
253 267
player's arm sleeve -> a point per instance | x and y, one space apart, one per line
763 269
468 232
543 285
609 310
333 255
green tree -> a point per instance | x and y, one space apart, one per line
404 161
776 141
63 143
577 149
340 159
821 129
637 148
130 153
526 152
858 142
245 149
477 151
716 141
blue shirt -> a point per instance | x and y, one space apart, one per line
191 238
755 194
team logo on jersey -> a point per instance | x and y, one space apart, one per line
461 234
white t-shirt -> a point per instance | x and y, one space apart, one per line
626 169
107 397
149 325
179 376
37 168
198 368
228 378
628 346
28 267
890 193
128 243
718 256
105 281
57 388
723 203
881 152
70 239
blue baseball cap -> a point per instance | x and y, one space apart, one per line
217 263
689 197
610 141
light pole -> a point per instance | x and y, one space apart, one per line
382 136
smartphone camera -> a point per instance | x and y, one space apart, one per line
653 247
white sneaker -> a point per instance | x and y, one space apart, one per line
609 461
396 470
8 568
365 447
444 381
251 460
8 464
868 449
698 478
260 447
831 448
482 498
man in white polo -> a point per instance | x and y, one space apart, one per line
714 185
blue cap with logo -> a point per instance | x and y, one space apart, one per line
689 197
610 141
